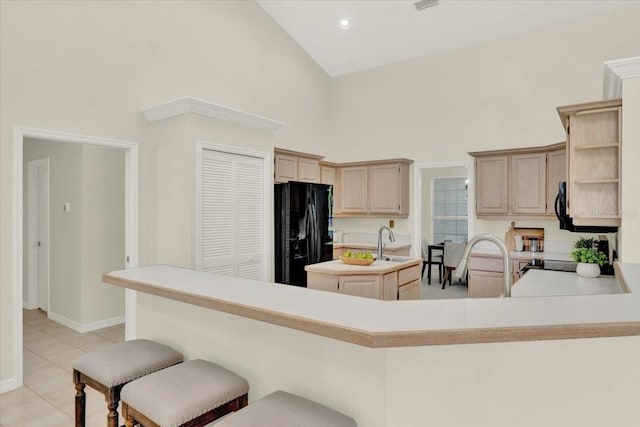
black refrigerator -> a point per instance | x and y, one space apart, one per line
303 229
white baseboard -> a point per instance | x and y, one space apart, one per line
28 306
8 385
85 327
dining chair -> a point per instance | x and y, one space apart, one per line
452 255
435 260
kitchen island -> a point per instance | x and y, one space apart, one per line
504 358
386 280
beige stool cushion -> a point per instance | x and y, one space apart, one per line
282 409
175 395
126 361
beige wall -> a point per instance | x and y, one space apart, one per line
65 228
91 67
494 95
103 232
87 241
630 230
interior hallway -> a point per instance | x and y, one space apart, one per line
47 398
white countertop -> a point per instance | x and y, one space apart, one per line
377 267
536 283
391 322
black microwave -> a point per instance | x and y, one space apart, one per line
566 222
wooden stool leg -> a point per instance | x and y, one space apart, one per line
81 400
112 404
129 421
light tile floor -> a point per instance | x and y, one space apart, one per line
47 398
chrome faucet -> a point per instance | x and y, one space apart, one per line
380 245
461 269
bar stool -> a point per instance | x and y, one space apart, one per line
108 369
282 409
193 393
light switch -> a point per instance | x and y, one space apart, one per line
67 207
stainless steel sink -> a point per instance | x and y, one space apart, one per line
396 258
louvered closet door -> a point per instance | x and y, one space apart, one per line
232 215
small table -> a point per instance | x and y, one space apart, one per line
431 248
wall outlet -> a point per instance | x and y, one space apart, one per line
391 223
67 207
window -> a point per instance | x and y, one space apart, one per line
450 211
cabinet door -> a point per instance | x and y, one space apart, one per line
367 286
353 188
556 173
594 169
485 284
322 282
286 168
384 188
308 170
410 291
390 286
327 175
528 184
492 185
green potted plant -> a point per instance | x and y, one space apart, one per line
589 259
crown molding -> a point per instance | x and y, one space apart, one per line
617 70
188 104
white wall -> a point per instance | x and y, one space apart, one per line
91 67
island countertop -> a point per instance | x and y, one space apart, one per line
377 267
375 323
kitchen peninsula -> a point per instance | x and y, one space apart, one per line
376 360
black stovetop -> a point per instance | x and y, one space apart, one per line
556 265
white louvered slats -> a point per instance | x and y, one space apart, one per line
232 214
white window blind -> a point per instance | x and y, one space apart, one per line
450 211
232 215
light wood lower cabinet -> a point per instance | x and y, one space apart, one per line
409 291
361 286
403 284
486 278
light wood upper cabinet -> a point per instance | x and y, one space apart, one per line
286 168
293 166
374 188
556 173
327 175
528 184
519 182
354 190
491 185
593 150
308 170
384 182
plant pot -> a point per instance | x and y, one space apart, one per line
588 270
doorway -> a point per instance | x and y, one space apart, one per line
443 195
131 151
37 239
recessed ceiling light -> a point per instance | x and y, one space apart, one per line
344 24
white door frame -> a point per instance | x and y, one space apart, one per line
267 200
417 197
34 213
131 225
